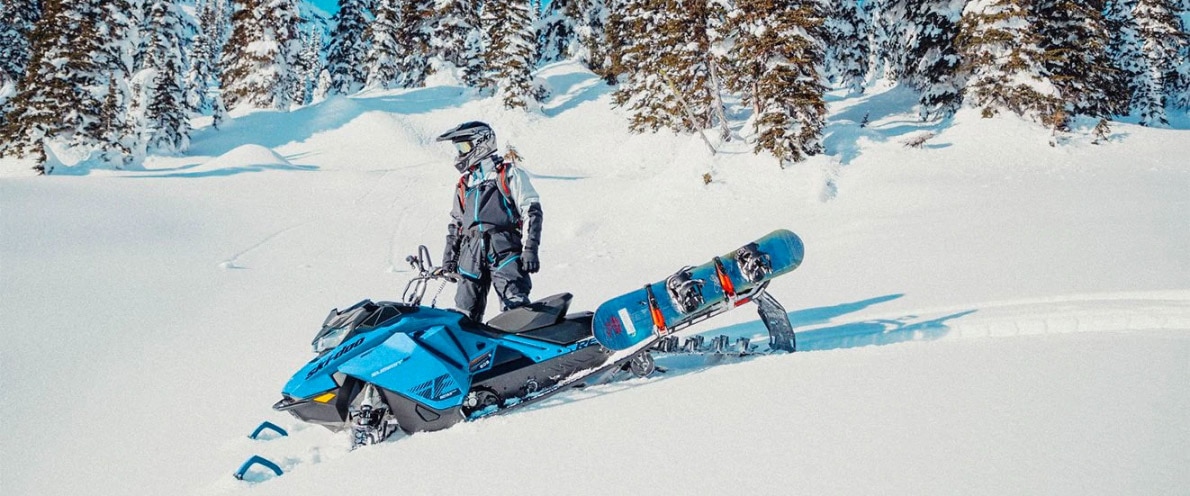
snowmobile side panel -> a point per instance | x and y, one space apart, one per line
412 369
519 379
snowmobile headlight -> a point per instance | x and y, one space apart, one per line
330 340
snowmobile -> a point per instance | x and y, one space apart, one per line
387 366
383 367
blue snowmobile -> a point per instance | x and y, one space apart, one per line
388 366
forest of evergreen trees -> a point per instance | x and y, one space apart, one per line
123 78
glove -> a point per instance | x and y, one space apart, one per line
450 266
529 261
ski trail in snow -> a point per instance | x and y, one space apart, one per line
233 262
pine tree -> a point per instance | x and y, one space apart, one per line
1001 62
56 100
166 115
458 40
309 66
779 51
202 77
614 42
668 63
415 29
345 54
17 18
1124 52
1073 40
847 48
883 32
931 61
260 57
557 35
120 49
1163 45
592 34
509 55
382 60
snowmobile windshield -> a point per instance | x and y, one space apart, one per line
363 316
329 338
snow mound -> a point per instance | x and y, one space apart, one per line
250 155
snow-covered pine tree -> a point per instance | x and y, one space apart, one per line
1002 63
458 40
930 61
17 18
260 57
1180 98
557 35
1073 40
778 47
883 32
166 115
381 62
202 76
1163 45
1124 52
592 34
510 52
847 48
668 60
309 65
614 42
415 29
348 47
57 97
120 48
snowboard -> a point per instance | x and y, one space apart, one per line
695 293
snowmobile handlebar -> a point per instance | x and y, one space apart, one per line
415 289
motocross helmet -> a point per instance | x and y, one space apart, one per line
474 140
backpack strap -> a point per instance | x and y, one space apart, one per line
462 192
502 171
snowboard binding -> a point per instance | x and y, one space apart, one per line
755 264
685 291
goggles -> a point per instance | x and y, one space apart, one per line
464 147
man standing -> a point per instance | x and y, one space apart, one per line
495 226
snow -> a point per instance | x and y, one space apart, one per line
998 311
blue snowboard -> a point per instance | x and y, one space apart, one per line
696 293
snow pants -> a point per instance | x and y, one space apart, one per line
486 261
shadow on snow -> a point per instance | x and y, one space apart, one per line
822 335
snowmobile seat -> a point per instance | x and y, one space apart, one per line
541 313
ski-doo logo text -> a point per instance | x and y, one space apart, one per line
338 354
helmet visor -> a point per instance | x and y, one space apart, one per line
464 147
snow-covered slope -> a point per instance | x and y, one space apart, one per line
983 314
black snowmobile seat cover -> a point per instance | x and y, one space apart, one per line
541 313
